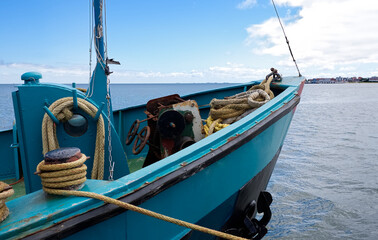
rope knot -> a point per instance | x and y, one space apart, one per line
258 98
65 115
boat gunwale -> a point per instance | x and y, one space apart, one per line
142 194
169 164
186 96
138 187
239 85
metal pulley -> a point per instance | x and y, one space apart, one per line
171 124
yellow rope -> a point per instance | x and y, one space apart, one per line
82 89
212 125
51 185
61 108
131 207
5 192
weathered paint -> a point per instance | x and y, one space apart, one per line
183 197
190 185
29 115
192 106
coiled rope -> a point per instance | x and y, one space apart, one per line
61 109
63 175
5 192
225 111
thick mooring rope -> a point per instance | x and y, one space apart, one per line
5 192
61 109
57 176
225 111
63 175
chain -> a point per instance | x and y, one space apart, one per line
111 163
102 62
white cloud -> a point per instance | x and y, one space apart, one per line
326 34
348 68
11 72
229 72
161 77
247 4
234 72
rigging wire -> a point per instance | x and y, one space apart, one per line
110 158
91 37
102 61
287 41
91 46
106 34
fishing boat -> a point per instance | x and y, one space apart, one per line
160 157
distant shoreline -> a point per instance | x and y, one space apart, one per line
339 80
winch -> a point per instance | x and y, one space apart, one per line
172 125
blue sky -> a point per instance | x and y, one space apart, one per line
189 41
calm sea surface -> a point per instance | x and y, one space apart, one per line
325 184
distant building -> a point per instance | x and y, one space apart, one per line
373 79
340 79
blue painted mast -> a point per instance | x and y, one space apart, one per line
98 87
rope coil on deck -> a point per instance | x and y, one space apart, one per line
62 175
58 178
61 109
225 111
5 192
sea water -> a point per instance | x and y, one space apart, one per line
325 184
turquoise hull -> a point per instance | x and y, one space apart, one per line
203 183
